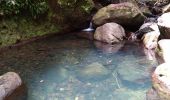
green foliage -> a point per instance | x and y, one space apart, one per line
33 8
15 30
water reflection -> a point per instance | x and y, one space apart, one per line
109 48
68 68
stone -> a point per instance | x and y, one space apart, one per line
164 25
93 72
160 81
61 73
8 83
166 8
109 33
150 39
165 49
123 13
132 72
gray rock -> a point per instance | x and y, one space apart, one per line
93 72
109 33
123 13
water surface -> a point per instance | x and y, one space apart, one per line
70 68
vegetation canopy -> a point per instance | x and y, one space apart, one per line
34 8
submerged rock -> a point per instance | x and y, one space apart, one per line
123 13
57 75
165 49
93 72
122 93
133 73
109 33
164 25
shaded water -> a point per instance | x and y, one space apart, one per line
68 68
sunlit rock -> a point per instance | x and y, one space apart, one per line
164 45
150 39
125 14
109 33
93 72
166 8
108 48
8 83
161 81
164 25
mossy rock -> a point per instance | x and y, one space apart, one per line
123 13
74 13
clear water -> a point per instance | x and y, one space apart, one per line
69 68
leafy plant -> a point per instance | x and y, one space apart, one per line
17 7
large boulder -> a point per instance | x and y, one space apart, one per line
164 25
8 83
125 14
109 33
161 83
165 49
72 13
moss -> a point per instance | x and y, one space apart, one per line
14 30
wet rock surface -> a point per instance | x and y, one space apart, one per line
109 33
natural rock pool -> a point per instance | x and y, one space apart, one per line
70 68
